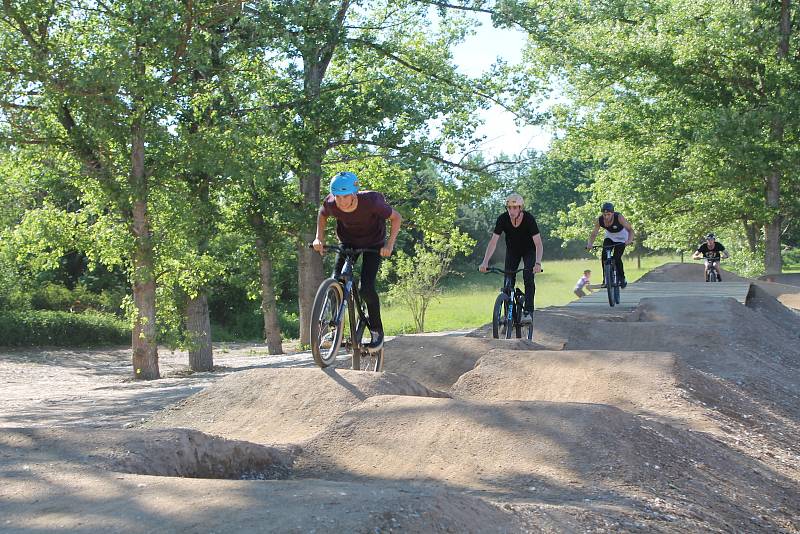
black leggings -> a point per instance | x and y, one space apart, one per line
512 263
369 294
619 248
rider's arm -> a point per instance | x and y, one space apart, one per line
625 224
537 240
697 255
590 242
319 240
490 249
396 220
725 254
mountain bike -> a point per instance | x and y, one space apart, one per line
610 275
507 313
336 299
712 264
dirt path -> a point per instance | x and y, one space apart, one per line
682 415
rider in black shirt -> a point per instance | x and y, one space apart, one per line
523 242
712 251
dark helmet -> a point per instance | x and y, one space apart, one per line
711 236
607 206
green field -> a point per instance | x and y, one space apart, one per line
467 300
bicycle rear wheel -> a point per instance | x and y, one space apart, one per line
517 318
499 316
326 332
608 272
529 329
364 360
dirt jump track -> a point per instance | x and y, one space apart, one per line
681 415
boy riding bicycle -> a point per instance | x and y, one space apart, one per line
360 223
523 242
713 251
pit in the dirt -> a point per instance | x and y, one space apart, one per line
175 452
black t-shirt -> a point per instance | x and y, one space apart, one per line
519 238
713 254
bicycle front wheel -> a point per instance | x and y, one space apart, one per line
326 328
499 316
712 275
609 278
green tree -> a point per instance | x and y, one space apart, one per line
686 109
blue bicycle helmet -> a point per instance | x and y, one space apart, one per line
344 183
607 206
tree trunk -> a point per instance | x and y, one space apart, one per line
751 231
309 273
272 327
145 349
198 326
198 316
772 230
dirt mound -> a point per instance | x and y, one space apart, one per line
41 492
686 272
584 458
438 361
773 309
281 406
785 289
643 383
168 453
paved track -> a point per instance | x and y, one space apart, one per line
631 295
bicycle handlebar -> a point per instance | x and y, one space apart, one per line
501 271
345 250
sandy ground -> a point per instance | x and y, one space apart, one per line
681 416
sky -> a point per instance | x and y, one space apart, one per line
473 57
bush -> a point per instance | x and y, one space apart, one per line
791 257
249 326
63 329
56 297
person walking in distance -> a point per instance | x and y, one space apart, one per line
360 223
523 243
618 233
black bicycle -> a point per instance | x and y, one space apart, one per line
712 266
336 299
507 313
610 275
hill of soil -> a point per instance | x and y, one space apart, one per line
281 406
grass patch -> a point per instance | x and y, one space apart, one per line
467 299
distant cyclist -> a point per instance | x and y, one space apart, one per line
713 251
523 242
360 223
618 233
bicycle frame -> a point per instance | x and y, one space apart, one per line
514 299
612 285
350 299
